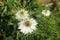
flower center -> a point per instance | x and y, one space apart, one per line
22 14
27 23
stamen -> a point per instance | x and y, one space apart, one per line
21 14
27 23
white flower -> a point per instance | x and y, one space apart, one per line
46 12
49 4
22 14
27 26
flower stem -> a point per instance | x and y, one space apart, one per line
17 35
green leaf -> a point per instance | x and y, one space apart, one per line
9 38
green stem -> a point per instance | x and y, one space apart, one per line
17 35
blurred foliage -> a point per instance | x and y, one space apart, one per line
48 28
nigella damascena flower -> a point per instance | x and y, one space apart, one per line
46 12
27 26
22 14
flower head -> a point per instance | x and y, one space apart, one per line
46 12
22 14
27 26
49 4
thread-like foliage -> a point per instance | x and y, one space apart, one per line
48 28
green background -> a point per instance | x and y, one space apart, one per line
48 28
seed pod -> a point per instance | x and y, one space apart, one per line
1 1
43 2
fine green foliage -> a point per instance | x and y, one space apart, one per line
48 28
